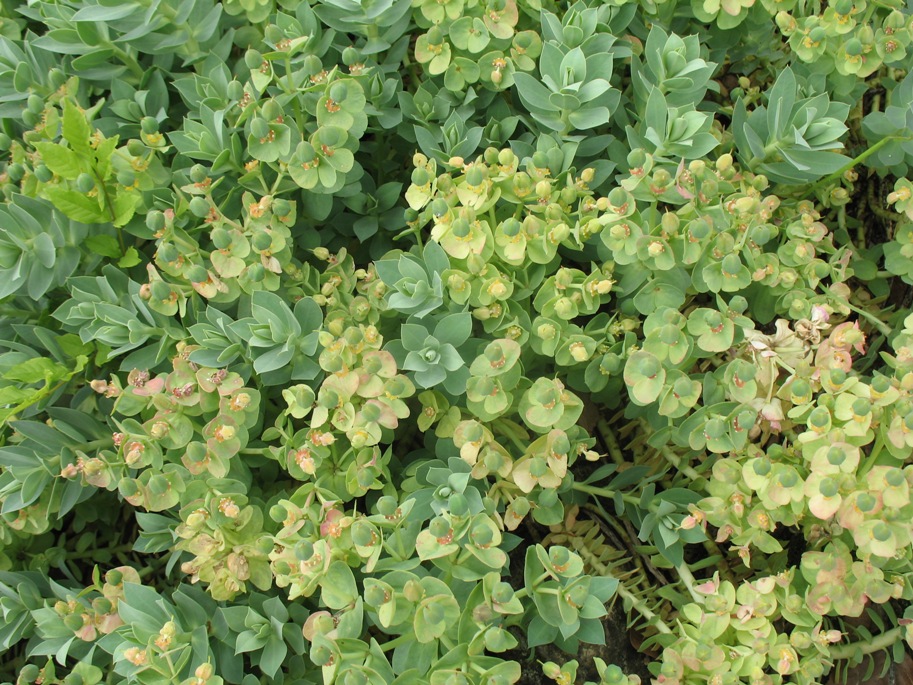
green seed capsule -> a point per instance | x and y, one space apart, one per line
482 535
312 65
167 252
259 128
420 176
387 505
35 103
199 207
15 172
126 177
84 183
281 207
304 550
338 91
56 78
375 596
439 527
155 220
235 90
502 593
5 142
256 273
273 34
221 238
159 485
43 174
365 477
271 110
439 207
475 176
278 513
160 291
548 498
73 679
253 59
363 534
261 240
459 505
540 160
73 622
197 274
321 655
350 56
149 125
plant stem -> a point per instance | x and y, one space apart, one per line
97 444
883 641
869 462
679 463
857 160
128 60
611 442
688 579
92 553
882 327
874 205
396 642
109 204
641 607
604 492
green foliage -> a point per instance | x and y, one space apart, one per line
791 138
390 342
39 248
574 91
889 131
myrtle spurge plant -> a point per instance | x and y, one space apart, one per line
443 342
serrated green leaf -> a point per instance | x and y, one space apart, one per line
77 206
131 258
35 370
60 160
76 129
105 245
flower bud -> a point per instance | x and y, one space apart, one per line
578 352
551 670
135 656
203 671
238 566
228 507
